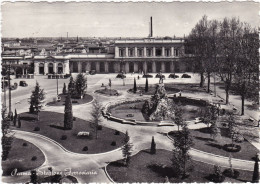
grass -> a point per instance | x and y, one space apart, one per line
202 141
87 98
107 91
20 157
121 111
51 125
152 88
145 167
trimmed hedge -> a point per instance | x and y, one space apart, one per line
232 148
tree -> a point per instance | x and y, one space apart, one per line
80 84
135 89
19 122
209 115
255 178
33 177
36 99
214 131
127 149
110 85
146 85
68 114
153 146
6 140
14 120
177 115
232 128
64 90
71 86
96 116
182 144
218 177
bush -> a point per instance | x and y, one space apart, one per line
121 76
63 137
74 118
147 76
185 76
232 147
173 76
113 143
99 127
25 144
37 129
34 158
239 139
85 148
158 76
117 132
230 174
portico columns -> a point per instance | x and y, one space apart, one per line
126 52
79 67
106 66
55 67
163 66
88 66
154 67
36 68
46 68
135 51
135 67
145 52
163 51
66 69
154 51
172 66
145 67
127 67
172 51
97 66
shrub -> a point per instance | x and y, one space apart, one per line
74 101
217 176
63 137
232 148
147 76
37 129
117 132
173 76
85 148
185 76
25 144
113 143
239 139
34 158
158 76
74 118
231 174
99 127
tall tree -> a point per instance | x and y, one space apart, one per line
182 144
135 89
146 85
64 90
153 146
68 114
177 115
255 178
80 84
96 116
36 99
232 128
6 139
127 149
71 86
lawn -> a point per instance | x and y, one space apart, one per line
152 88
203 142
108 92
145 167
190 112
86 99
20 157
51 125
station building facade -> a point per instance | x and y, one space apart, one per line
148 55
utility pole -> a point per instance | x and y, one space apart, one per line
9 84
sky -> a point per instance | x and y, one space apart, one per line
86 19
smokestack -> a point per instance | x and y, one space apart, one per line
151 34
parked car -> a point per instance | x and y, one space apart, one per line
121 76
92 72
158 76
174 76
23 83
147 76
185 76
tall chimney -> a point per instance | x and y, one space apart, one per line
151 34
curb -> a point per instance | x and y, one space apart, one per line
64 149
105 170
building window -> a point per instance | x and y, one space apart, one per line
121 52
158 52
167 52
140 52
149 52
176 52
131 52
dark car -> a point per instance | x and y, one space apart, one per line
23 83
92 72
121 76
185 76
174 76
158 76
